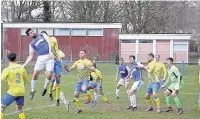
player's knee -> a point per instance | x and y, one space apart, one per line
147 96
76 95
49 75
118 86
3 108
174 94
155 95
166 93
131 92
57 81
18 107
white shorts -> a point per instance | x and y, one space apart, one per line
44 61
137 85
123 82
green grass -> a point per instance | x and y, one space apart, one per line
116 108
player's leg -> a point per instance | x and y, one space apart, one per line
91 85
49 70
34 82
64 100
168 99
20 103
85 90
120 83
149 91
77 92
156 87
99 87
6 101
199 101
126 86
57 72
176 98
52 86
136 86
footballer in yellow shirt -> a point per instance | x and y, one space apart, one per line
96 83
83 68
16 77
57 70
162 71
154 84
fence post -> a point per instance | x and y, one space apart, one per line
182 68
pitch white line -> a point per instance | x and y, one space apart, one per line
41 107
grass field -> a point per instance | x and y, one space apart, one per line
41 108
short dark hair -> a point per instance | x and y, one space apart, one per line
121 59
151 54
83 50
94 65
171 59
27 30
11 57
132 56
44 32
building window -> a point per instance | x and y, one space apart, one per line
95 32
128 41
78 32
61 32
180 47
48 30
23 30
145 41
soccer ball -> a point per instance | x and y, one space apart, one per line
36 12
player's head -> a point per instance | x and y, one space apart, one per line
44 32
121 61
132 58
150 57
12 57
94 65
29 32
82 54
169 61
157 58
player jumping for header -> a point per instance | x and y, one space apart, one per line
41 44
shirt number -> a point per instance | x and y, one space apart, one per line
18 78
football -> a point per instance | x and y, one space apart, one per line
36 12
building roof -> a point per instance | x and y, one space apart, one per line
62 25
156 36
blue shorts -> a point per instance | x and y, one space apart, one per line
78 87
153 87
93 84
57 67
8 99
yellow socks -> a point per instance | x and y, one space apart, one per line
22 116
50 87
1 115
157 102
78 103
149 102
57 91
88 96
105 99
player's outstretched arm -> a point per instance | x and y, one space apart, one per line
30 57
25 76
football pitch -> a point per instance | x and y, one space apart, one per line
41 108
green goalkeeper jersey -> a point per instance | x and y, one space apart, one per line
173 74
